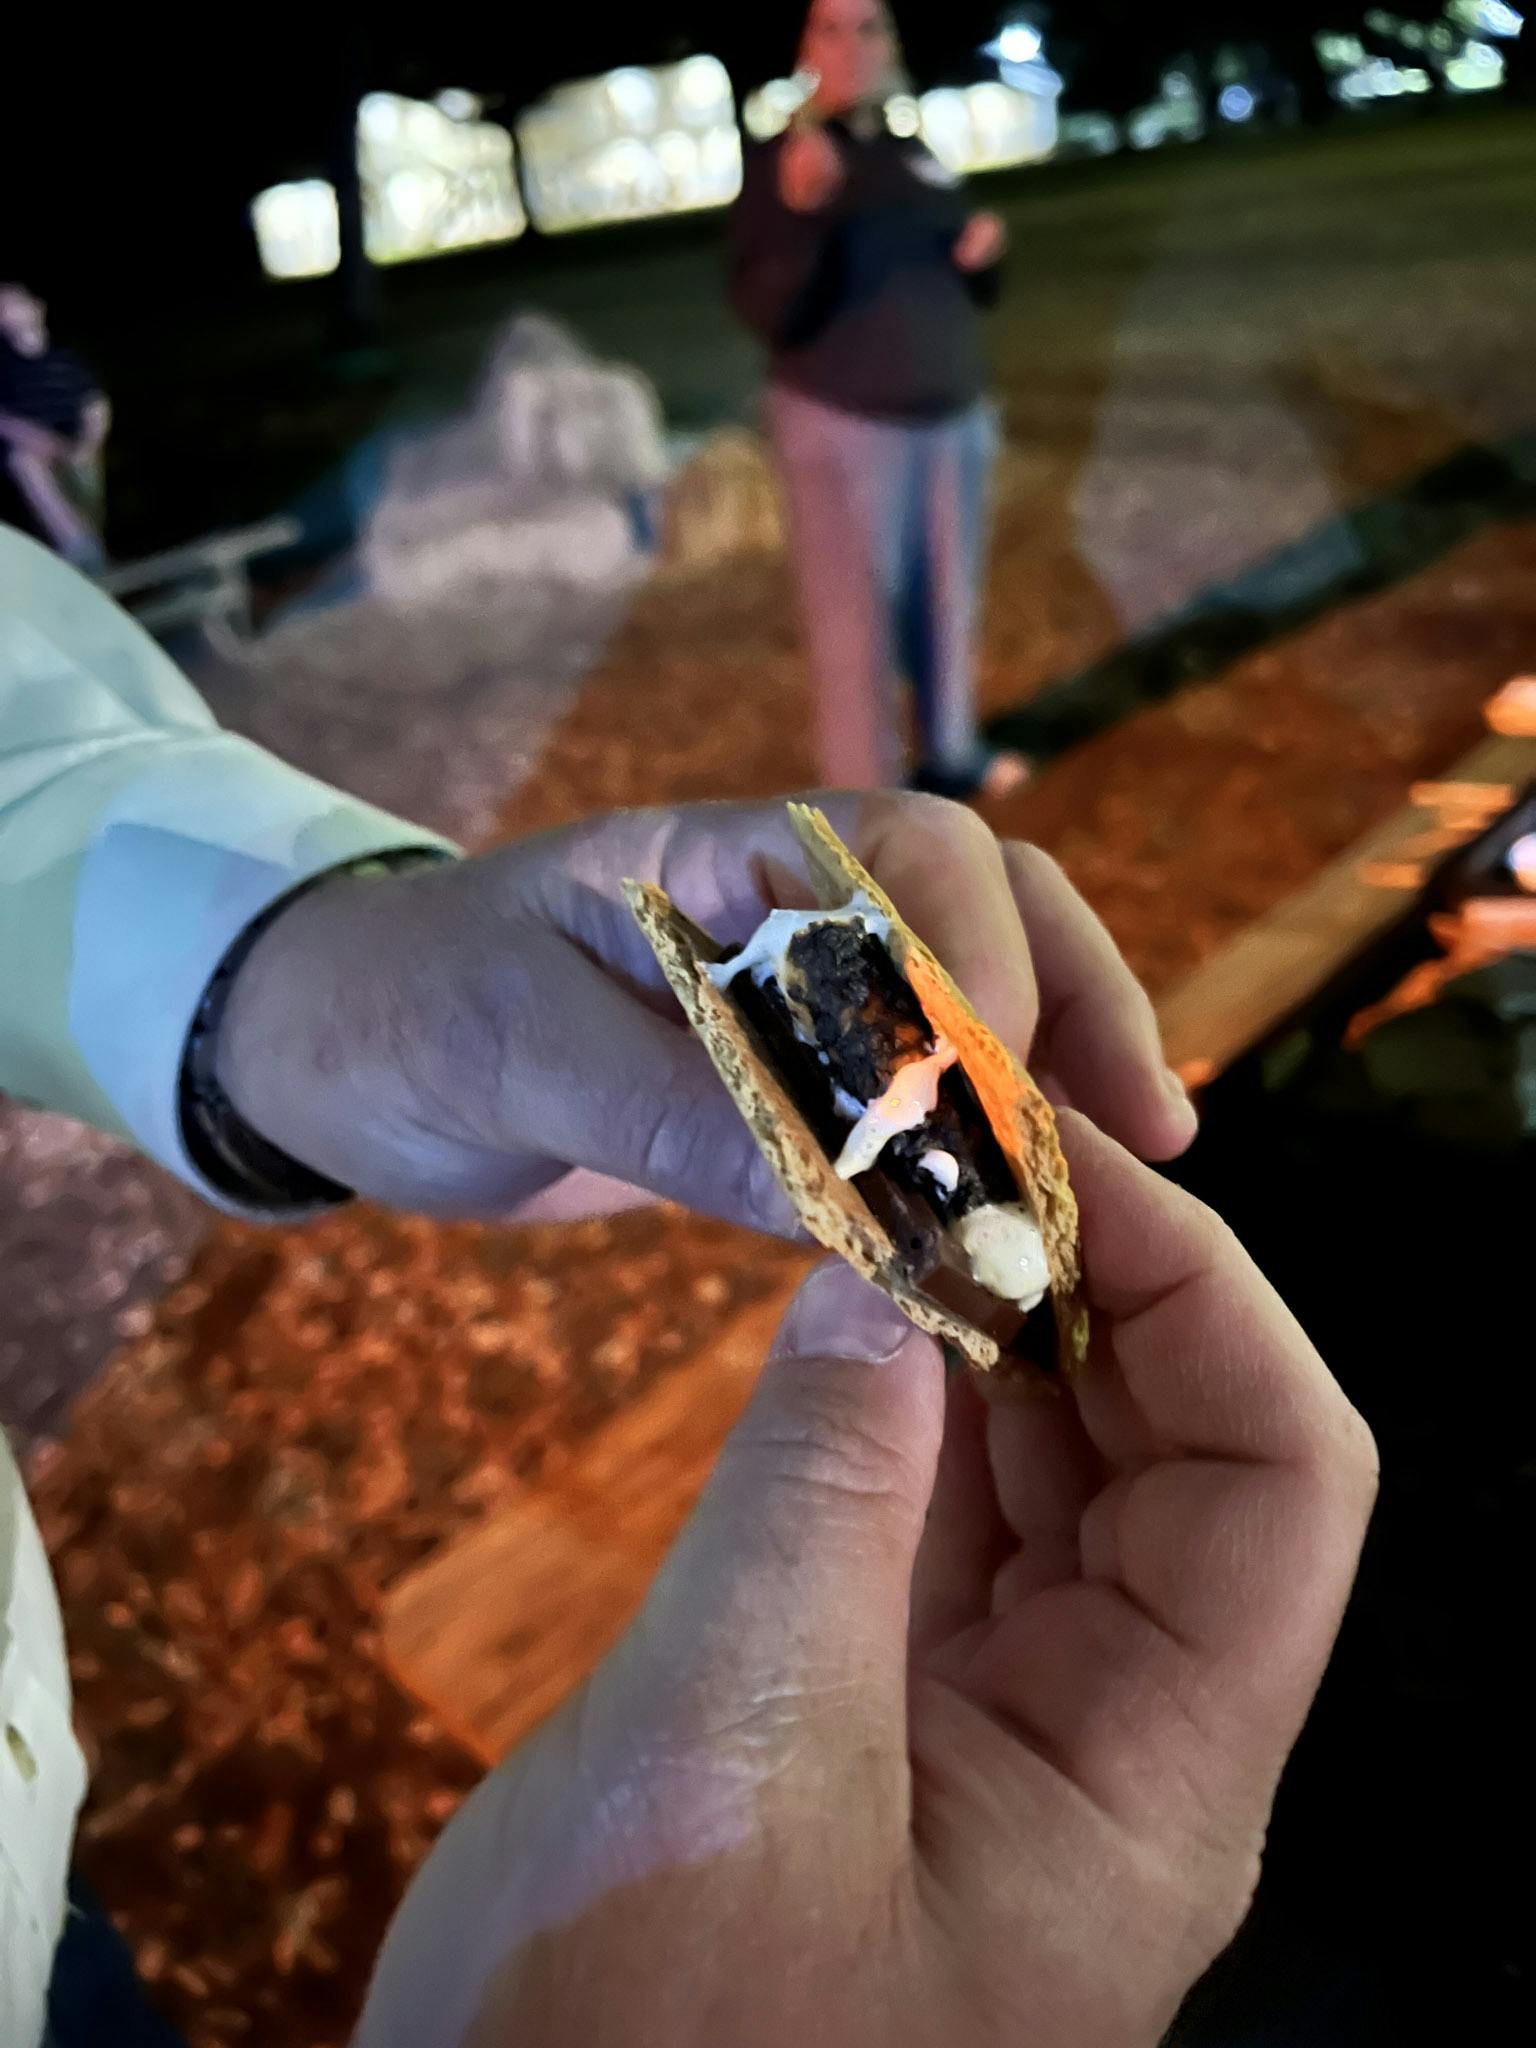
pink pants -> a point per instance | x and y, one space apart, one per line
888 531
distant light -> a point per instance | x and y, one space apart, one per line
678 154
379 116
720 164
1487 17
1479 68
1339 52
1037 78
1236 103
702 88
635 97
636 144
903 116
434 180
988 126
1094 134
1512 709
1176 117
1019 43
769 111
1381 79
1522 862
946 125
298 231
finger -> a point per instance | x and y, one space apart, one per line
791 1583
1173 1676
1204 1357
965 1539
1246 1478
1098 1032
725 865
628 1094
943 869
1046 1471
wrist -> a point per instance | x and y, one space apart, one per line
264 1075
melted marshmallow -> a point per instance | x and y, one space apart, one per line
764 954
942 1168
1006 1252
912 1095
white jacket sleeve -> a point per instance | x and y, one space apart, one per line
137 841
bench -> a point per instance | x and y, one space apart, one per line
204 583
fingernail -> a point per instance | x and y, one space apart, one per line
1186 1116
837 1314
1173 1086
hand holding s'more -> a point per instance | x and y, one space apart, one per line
906 1135
945 1719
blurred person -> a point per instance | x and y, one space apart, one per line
54 421
857 259
1122 1604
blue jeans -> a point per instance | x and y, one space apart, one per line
96 2001
888 534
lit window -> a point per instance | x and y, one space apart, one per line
987 127
298 233
632 145
434 178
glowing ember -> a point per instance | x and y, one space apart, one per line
1512 710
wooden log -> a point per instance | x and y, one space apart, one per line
496 1630
1242 993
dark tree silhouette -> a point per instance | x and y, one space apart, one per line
1115 49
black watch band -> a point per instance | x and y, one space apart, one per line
232 1157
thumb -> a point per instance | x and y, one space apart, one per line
792 1581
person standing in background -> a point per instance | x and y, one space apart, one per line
54 420
857 259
